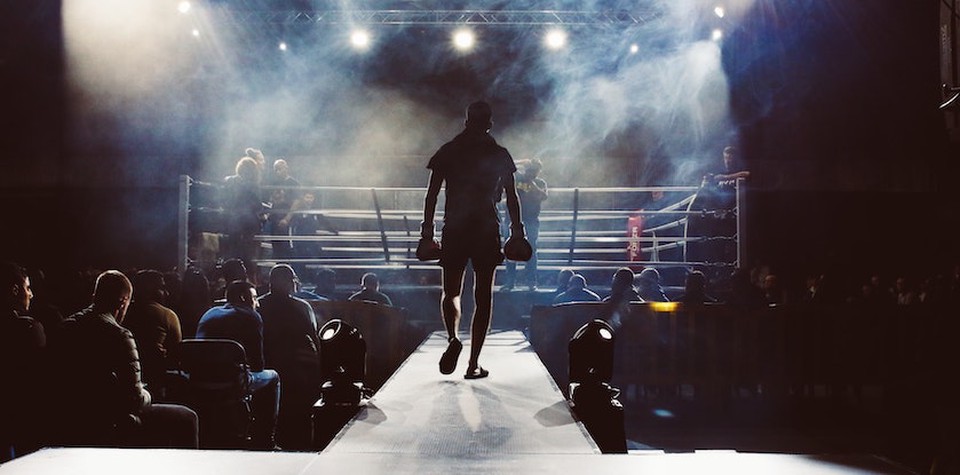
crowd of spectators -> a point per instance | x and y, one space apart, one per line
159 309
110 345
763 286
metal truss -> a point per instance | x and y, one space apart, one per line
448 17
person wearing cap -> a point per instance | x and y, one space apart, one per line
476 172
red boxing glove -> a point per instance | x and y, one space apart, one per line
428 249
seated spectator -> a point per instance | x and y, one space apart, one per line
905 292
563 280
695 289
307 294
195 300
622 292
370 291
292 347
101 369
621 287
42 307
239 321
880 292
648 286
812 289
155 327
743 293
325 284
231 270
773 293
22 343
577 291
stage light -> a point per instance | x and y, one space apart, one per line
634 48
282 46
716 35
360 39
594 400
463 39
591 353
183 7
556 39
719 11
343 351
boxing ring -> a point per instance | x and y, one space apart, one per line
378 228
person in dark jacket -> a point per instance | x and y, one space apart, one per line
370 291
155 327
101 366
239 321
695 289
22 342
648 286
292 347
577 291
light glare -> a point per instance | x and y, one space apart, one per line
634 48
719 11
195 33
183 7
463 39
663 306
717 35
663 413
556 39
282 46
360 39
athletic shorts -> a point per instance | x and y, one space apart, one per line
482 246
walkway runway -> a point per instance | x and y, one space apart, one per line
516 410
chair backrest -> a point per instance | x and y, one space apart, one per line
215 366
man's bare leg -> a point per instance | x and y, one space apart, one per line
483 294
450 311
450 301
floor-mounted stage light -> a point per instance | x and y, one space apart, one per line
591 353
343 354
594 400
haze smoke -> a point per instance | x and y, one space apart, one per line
594 113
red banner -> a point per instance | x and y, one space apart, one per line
634 229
